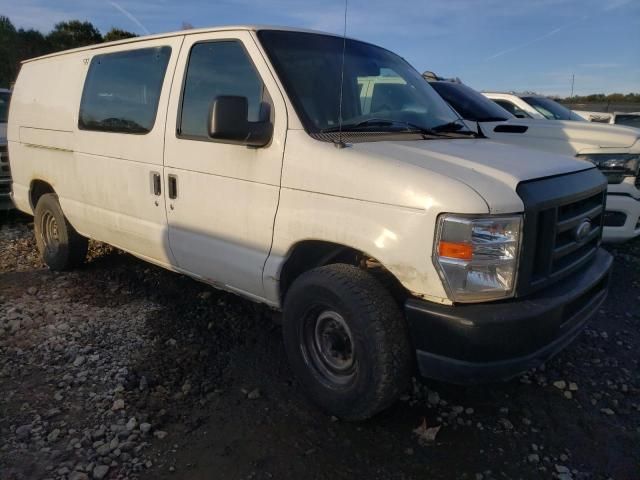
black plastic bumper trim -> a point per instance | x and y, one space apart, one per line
497 341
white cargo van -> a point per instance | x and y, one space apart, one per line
389 238
614 149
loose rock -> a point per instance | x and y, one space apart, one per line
100 471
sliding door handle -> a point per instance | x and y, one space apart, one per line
172 187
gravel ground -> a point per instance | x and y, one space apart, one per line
124 370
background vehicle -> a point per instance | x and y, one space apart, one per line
5 171
615 150
626 119
389 234
525 105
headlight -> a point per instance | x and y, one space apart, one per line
615 166
477 258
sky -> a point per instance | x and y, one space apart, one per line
522 45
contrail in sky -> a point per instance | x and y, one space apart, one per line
130 17
612 5
536 40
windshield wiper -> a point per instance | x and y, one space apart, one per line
439 131
408 127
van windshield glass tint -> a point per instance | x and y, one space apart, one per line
471 105
377 84
122 90
551 110
4 107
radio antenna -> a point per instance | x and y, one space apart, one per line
340 143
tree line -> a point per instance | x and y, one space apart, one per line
17 45
602 98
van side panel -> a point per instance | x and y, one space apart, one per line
103 179
41 125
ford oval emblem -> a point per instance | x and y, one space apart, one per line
582 231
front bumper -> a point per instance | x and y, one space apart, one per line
5 194
478 343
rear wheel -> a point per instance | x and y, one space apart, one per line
60 246
346 340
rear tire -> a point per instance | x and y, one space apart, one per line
347 341
60 246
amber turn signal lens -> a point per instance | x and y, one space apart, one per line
461 251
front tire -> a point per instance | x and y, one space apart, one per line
346 340
60 246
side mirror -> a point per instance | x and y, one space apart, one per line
228 122
520 115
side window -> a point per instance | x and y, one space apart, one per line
217 68
122 90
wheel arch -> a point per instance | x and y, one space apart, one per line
37 188
306 255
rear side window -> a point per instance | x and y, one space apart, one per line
122 90
214 69
629 120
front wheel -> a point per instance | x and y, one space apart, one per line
60 246
346 340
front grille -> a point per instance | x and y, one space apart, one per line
567 249
5 170
556 238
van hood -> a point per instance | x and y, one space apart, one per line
581 134
492 169
463 175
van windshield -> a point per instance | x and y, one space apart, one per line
4 106
381 92
552 110
470 104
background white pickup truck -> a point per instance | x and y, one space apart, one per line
614 149
626 119
531 105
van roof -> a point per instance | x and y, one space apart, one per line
193 31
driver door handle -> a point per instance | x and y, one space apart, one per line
172 188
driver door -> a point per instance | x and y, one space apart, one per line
222 198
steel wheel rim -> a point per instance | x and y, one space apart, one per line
329 347
49 233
